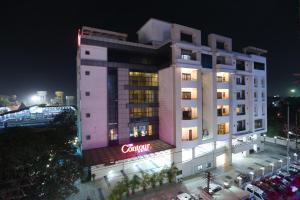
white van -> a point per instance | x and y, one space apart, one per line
256 192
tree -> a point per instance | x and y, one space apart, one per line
153 180
118 191
161 176
39 164
4 102
145 181
135 183
172 172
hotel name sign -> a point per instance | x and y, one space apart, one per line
130 148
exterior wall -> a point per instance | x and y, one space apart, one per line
123 111
154 31
95 126
166 105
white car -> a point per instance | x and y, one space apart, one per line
256 192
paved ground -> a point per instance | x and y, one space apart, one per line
254 162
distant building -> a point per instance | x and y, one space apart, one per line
70 100
42 97
32 116
58 100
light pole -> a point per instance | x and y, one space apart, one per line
265 138
288 137
280 163
272 167
275 137
240 180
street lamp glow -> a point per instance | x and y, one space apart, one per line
292 90
34 98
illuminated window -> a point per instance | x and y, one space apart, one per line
240 109
222 77
186 76
223 110
258 123
113 135
135 132
141 131
143 96
143 79
223 128
222 93
143 112
149 128
186 95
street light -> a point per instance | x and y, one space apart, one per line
292 90
35 99
275 137
272 167
265 138
295 157
240 180
262 171
252 175
280 163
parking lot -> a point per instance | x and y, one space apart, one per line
260 164
241 166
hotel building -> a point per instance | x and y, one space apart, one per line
167 98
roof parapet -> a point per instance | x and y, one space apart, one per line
89 31
254 50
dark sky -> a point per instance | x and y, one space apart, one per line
38 39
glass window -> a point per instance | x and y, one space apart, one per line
113 135
240 65
241 125
223 129
186 95
186 37
186 76
258 123
220 45
206 61
142 130
259 66
143 79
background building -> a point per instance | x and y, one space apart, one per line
195 105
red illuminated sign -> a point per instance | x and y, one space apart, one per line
79 38
128 148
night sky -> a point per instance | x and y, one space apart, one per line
38 39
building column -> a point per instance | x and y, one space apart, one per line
123 111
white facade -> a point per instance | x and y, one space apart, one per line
212 100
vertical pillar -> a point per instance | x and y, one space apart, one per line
123 111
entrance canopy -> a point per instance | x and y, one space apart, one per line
109 155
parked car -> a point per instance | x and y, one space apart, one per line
256 192
213 188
